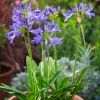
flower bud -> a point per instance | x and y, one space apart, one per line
79 19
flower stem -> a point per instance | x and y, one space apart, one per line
77 43
48 64
56 67
31 74
55 57
47 50
43 53
83 36
74 69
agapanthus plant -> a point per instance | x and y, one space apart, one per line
47 80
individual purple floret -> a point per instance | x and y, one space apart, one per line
55 41
52 11
51 27
68 15
37 40
11 35
37 32
79 10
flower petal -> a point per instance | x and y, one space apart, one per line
55 41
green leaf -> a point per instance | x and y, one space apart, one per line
13 91
41 66
30 62
31 69
62 90
54 77
81 75
64 81
78 87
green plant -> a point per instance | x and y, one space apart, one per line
47 81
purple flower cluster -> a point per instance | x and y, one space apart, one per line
79 10
47 34
20 19
24 18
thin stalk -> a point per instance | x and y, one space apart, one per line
47 51
47 75
83 36
27 43
31 73
29 46
43 56
28 69
43 53
74 69
78 42
56 66
48 60
47 55
55 57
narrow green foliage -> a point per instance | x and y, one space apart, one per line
13 91
81 75
54 77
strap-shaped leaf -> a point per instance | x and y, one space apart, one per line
81 75
13 91
30 62
62 90
54 77
64 81
78 87
31 68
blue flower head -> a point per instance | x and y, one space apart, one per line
79 10
20 19
38 16
47 34
24 18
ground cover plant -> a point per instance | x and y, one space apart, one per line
48 81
